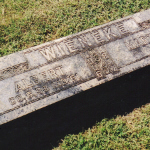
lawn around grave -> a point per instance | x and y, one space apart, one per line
123 132
27 23
32 22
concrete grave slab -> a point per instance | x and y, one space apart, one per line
50 72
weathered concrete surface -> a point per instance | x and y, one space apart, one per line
42 75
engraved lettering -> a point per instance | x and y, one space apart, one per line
48 53
20 68
83 41
99 36
29 95
8 72
52 73
60 71
145 24
45 88
27 83
19 98
57 51
64 48
100 62
133 43
14 70
109 32
44 76
34 79
55 73
40 91
122 29
12 101
74 78
19 86
99 74
144 40
70 44
33 88
86 40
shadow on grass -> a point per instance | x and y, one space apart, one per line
43 129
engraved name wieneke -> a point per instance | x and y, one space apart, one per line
91 39
42 85
80 42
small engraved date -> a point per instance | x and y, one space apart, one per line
100 62
29 95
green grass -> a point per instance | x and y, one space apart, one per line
123 132
26 23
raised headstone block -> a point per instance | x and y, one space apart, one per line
44 74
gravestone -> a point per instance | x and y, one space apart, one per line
50 72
